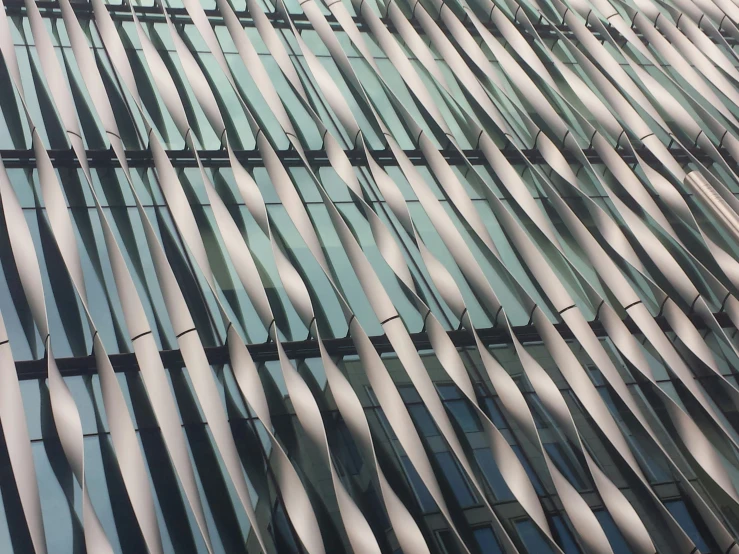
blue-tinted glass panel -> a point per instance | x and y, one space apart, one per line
284 539
490 405
680 512
538 487
461 411
448 542
422 419
532 538
565 464
346 450
618 543
424 497
454 477
492 474
486 541
564 536
419 413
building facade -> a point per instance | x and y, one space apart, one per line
314 277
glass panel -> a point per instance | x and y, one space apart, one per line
532 538
462 413
284 539
679 511
448 542
490 405
618 543
456 480
564 536
494 478
486 541
566 465
425 499
420 414
538 487
345 449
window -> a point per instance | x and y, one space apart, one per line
492 474
284 540
532 538
680 512
456 480
538 487
650 460
595 375
380 414
374 508
490 406
346 450
425 500
653 467
566 464
456 404
419 412
448 542
565 536
487 541
618 543
537 410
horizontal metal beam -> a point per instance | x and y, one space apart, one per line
263 352
319 158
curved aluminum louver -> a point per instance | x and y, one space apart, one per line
370 276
